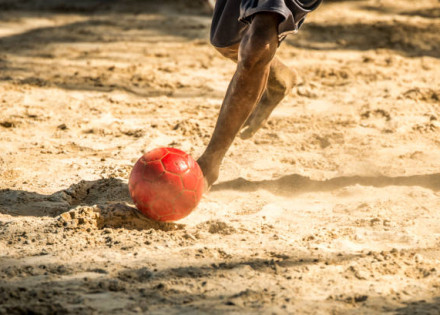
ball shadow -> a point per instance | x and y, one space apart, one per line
100 203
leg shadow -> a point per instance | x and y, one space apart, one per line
85 193
294 184
420 307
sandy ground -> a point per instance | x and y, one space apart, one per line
333 207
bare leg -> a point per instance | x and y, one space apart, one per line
255 55
281 81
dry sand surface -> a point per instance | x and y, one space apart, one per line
332 207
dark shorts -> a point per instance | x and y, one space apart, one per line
232 17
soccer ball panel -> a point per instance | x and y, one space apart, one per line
185 203
199 188
177 151
155 154
175 163
171 184
162 207
152 171
190 180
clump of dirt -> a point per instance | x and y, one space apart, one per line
111 216
422 94
217 227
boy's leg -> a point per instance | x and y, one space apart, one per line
255 55
280 82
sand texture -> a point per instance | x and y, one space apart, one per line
333 207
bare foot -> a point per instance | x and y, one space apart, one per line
280 83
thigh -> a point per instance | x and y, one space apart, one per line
259 28
262 27
261 40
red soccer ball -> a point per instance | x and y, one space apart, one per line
166 184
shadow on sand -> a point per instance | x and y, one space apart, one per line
106 202
84 193
144 287
294 184
408 39
148 289
92 35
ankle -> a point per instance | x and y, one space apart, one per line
209 169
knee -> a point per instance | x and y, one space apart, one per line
256 51
260 43
230 52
